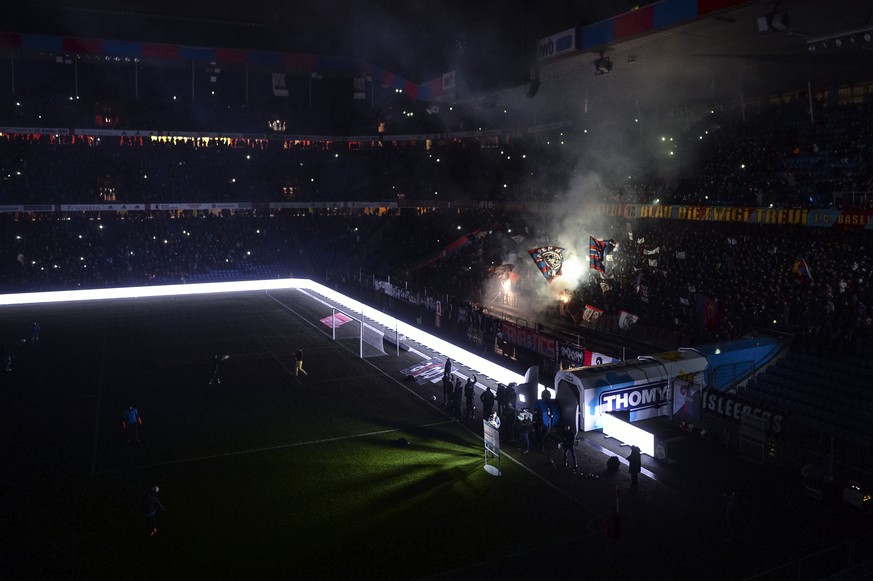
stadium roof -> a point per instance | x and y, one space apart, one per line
742 48
754 48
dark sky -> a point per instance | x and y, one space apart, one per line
418 39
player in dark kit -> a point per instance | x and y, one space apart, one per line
151 506
216 365
130 422
298 362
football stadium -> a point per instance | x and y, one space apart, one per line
382 291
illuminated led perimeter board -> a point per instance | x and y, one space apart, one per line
481 366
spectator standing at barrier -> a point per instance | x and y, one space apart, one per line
511 399
448 369
500 396
634 461
457 392
524 428
298 362
469 390
151 505
130 423
487 399
537 426
447 389
568 443
34 333
216 365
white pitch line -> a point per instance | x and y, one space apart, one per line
280 447
515 461
99 401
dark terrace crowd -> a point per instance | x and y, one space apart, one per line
75 169
720 281
787 155
777 156
46 252
710 281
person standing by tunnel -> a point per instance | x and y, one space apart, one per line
487 399
634 465
568 443
469 391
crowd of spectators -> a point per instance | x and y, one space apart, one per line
774 157
715 281
722 280
710 281
57 252
781 155
92 169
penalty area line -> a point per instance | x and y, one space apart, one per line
279 447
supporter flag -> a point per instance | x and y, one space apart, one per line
626 320
655 250
641 240
549 259
684 301
450 248
597 251
653 262
714 312
680 254
462 242
644 293
801 271
504 272
605 286
591 314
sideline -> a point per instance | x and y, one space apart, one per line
477 436
99 402
271 448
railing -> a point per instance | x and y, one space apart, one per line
853 199
850 557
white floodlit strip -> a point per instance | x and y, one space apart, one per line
628 434
478 364
462 356
136 292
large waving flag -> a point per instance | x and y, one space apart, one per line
626 320
597 251
549 259
591 314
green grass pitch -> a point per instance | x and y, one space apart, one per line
262 475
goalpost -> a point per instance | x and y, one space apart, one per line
346 327
364 335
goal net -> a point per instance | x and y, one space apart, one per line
358 336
